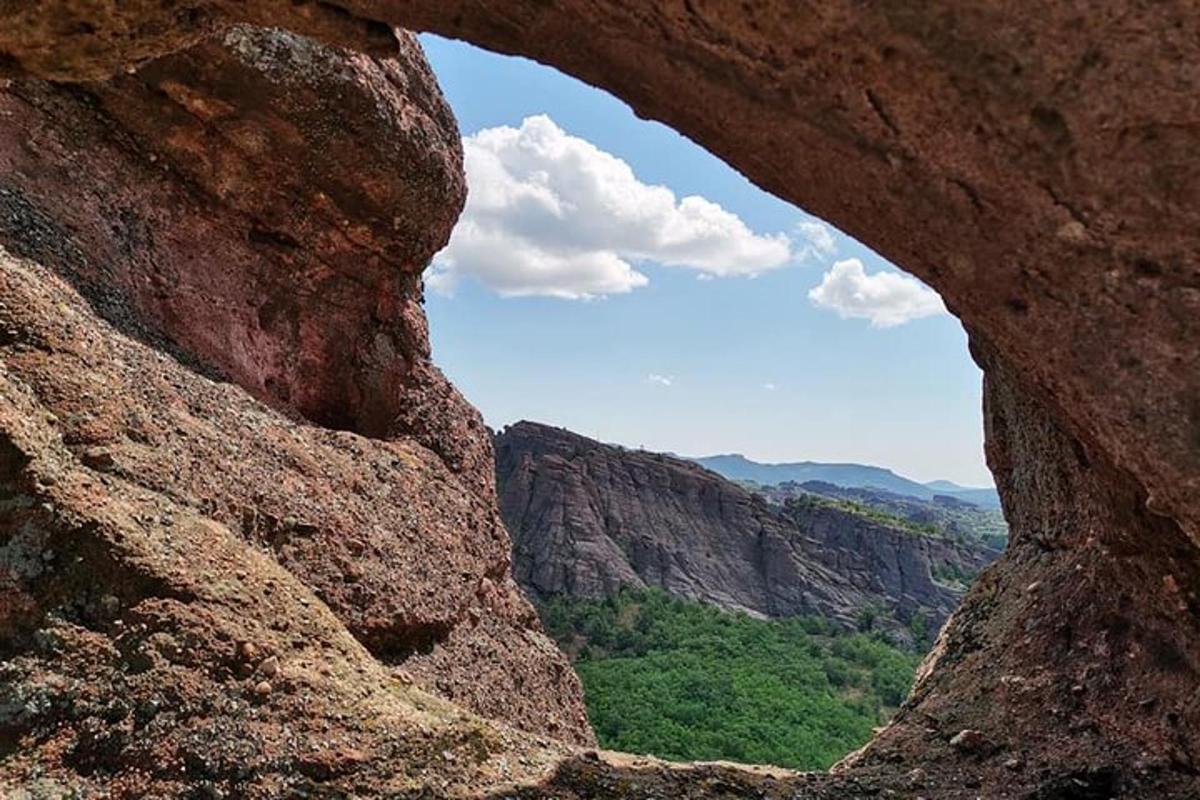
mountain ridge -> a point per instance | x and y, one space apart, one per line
736 466
588 519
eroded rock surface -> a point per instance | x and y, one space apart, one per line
588 519
268 205
185 284
1075 658
151 644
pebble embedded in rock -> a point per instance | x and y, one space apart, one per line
969 741
263 688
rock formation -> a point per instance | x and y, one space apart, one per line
942 515
588 519
1035 163
198 260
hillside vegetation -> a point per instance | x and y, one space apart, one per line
687 681
942 516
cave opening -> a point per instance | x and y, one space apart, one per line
644 300
1037 169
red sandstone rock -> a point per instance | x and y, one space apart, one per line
130 608
217 207
1036 163
66 39
238 214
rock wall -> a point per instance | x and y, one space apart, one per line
588 519
196 263
165 630
221 202
1074 659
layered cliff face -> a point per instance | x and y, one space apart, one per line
204 275
1034 163
588 519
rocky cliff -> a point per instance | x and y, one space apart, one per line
237 500
588 519
943 515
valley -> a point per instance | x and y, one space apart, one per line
687 681
710 618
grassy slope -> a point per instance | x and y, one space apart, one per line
687 681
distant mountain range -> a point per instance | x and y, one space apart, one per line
851 476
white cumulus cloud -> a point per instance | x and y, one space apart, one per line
659 380
551 214
885 298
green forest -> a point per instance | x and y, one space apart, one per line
687 681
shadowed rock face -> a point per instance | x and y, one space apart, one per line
1037 165
588 519
237 212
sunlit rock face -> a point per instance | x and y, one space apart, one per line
1036 164
590 519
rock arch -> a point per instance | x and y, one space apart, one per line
1039 165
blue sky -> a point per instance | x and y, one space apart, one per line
673 324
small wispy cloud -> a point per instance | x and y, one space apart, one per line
770 387
816 240
659 380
